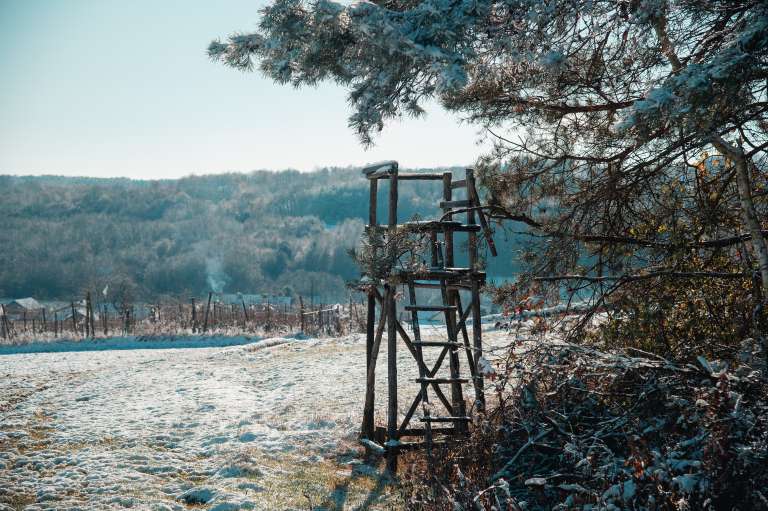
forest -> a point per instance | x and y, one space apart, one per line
286 233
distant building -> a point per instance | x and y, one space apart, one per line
23 307
66 313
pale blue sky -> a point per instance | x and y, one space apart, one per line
124 88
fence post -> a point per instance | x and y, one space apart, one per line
194 319
301 313
245 312
207 310
88 314
74 321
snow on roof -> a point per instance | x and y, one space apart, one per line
27 303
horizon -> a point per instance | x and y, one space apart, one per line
222 173
107 89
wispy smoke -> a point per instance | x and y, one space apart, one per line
215 275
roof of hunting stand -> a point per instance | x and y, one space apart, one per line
387 169
388 166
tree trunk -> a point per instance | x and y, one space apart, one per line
748 212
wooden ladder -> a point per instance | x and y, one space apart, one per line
436 391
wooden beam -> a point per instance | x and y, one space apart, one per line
475 198
370 382
392 423
406 176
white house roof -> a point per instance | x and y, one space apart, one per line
27 303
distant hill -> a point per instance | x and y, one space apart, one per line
278 232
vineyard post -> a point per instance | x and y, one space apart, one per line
74 321
301 313
207 310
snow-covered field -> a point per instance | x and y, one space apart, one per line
228 424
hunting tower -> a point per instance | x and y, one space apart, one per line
440 400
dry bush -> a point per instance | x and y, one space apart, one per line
576 428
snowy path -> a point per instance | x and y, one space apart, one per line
266 425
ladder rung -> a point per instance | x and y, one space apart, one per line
441 380
441 274
461 183
449 430
437 343
432 285
385 174
416 176
412 446
449 204
445 419
430 308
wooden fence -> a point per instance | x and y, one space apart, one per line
88 319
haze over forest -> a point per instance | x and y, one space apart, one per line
264 232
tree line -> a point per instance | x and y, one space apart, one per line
284 233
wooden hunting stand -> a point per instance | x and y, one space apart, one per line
439 273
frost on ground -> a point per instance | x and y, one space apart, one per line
266 425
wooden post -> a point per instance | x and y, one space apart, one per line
74 321
350 313
370 325
368 430
450 297
45 323
392 425
4 324
245 311
194 319
87 324
448 234
105 321
88 316
392 422
301 313
207 311
93 316
471 219
476 319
